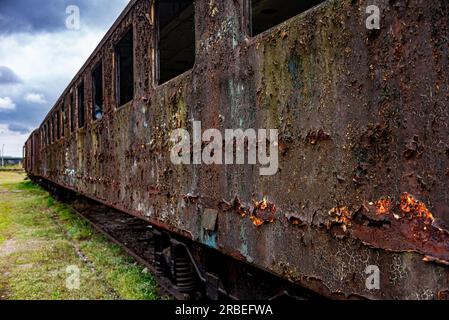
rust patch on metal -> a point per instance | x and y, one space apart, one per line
235 205
383 206
315 136
443 295
262 212
295 219
415 209
259 212
340 216
407 225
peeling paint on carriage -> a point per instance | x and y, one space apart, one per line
361 114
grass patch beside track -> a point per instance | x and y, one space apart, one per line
43 244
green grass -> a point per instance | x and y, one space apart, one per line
13 166
40 238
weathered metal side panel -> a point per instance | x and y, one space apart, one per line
362 117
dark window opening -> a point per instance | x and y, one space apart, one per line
53 127
97 92
176 29
47 134
72 113
63 120
58 124
80 95
124 54
266 14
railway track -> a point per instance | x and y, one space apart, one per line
133 235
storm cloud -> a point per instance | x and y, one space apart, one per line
19 128
27 115
31 16
7 76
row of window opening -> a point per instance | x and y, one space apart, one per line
55 127
176 55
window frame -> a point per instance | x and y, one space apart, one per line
157 56
44 134
52 128
72 111
97 65
47 135
63 118
58 124
248 22
116 57
80 89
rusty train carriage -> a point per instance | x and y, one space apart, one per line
364 141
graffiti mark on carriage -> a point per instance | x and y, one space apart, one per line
208 147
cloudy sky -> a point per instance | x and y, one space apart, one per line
41 50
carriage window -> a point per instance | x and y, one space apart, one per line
53 128
47 135
176 23
266 14
72 113
125 68
58 124
62 120
80 94
97 91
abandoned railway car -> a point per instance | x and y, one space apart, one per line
362 186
